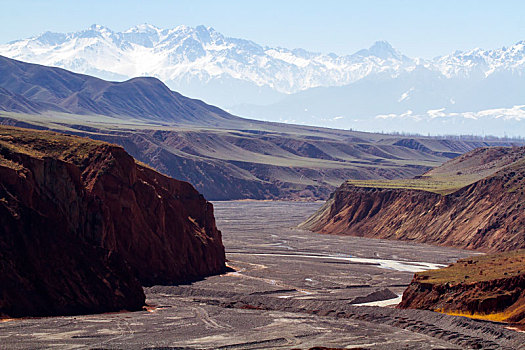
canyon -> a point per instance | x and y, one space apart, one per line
87 226
291 289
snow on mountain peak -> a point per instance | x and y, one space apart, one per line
381 49
100 28
52 39
186 55
96 27
144 28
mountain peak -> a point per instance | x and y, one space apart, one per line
204 28
143 28
99 28
382 45
381 49
198 29
182 28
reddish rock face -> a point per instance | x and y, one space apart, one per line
488 215
45 269
481 286
80 222
503 295
162 227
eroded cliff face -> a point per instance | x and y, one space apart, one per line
45 267
490 287
501 299
83 225
487 215
162 227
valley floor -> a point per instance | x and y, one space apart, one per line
290 289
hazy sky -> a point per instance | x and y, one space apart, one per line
424 28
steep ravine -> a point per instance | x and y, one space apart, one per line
83 226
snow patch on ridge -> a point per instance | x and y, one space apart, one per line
516 113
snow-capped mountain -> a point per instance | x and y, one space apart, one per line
483 62
187 58
288 84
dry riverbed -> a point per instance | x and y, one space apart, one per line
287 289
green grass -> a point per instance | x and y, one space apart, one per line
442 187
454 174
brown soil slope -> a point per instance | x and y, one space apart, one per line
80 220
490 287
486 213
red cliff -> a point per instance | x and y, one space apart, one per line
486 215
81 221
162 227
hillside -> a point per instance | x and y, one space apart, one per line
35 88
456 173
223 156
260 161
82 224
488 287
475 202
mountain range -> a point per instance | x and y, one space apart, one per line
187 59
472 92
223 156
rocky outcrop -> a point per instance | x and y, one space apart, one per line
473 287
83 225
487 215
